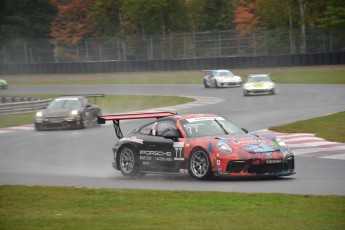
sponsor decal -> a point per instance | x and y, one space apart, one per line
273 161
133 139
245 141
196 119
155 153
184 171
148 155
178 144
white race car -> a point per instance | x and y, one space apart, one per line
258 84
221 78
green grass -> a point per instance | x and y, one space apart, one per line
109 104
330 127
34 207
178 77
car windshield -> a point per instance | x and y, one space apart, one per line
65 103
209 126
259 79
223 74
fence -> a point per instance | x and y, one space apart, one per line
17 105
232 43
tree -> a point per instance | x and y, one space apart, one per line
245 16
334 15
154 16
26 18
107 17
74 21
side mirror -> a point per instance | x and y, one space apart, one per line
245 130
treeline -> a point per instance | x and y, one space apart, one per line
71 21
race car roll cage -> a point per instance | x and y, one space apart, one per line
117 117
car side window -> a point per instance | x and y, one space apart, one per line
164 127
147 130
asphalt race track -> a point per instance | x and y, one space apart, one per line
82 158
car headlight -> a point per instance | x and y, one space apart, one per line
224 147
282 144
247 87
74 112
39 114
270 85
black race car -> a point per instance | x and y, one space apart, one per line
68 112
199 144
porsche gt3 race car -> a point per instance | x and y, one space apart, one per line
258 84
68 112
202 145
3 84
221 78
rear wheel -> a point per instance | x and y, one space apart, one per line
128 162
199 165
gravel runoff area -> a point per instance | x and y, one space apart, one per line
153 74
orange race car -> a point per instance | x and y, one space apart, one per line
202 145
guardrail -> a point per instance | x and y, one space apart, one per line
18 105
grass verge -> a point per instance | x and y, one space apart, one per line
173 77
109 104
34 207
330 127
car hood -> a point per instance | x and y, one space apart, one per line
259 84
58 112
250 143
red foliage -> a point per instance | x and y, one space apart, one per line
244 16
73 22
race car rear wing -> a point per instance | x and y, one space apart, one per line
94 96
117 117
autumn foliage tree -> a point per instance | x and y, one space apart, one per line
244 16
73 22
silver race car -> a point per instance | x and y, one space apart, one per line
258 84
221 78
68 112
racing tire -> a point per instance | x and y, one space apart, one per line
83 122
205 84
200 164
128 163
216 84
38 127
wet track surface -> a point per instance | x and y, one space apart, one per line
83 157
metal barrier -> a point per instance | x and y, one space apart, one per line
18 105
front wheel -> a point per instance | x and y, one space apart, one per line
83 122
199 165
128 162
